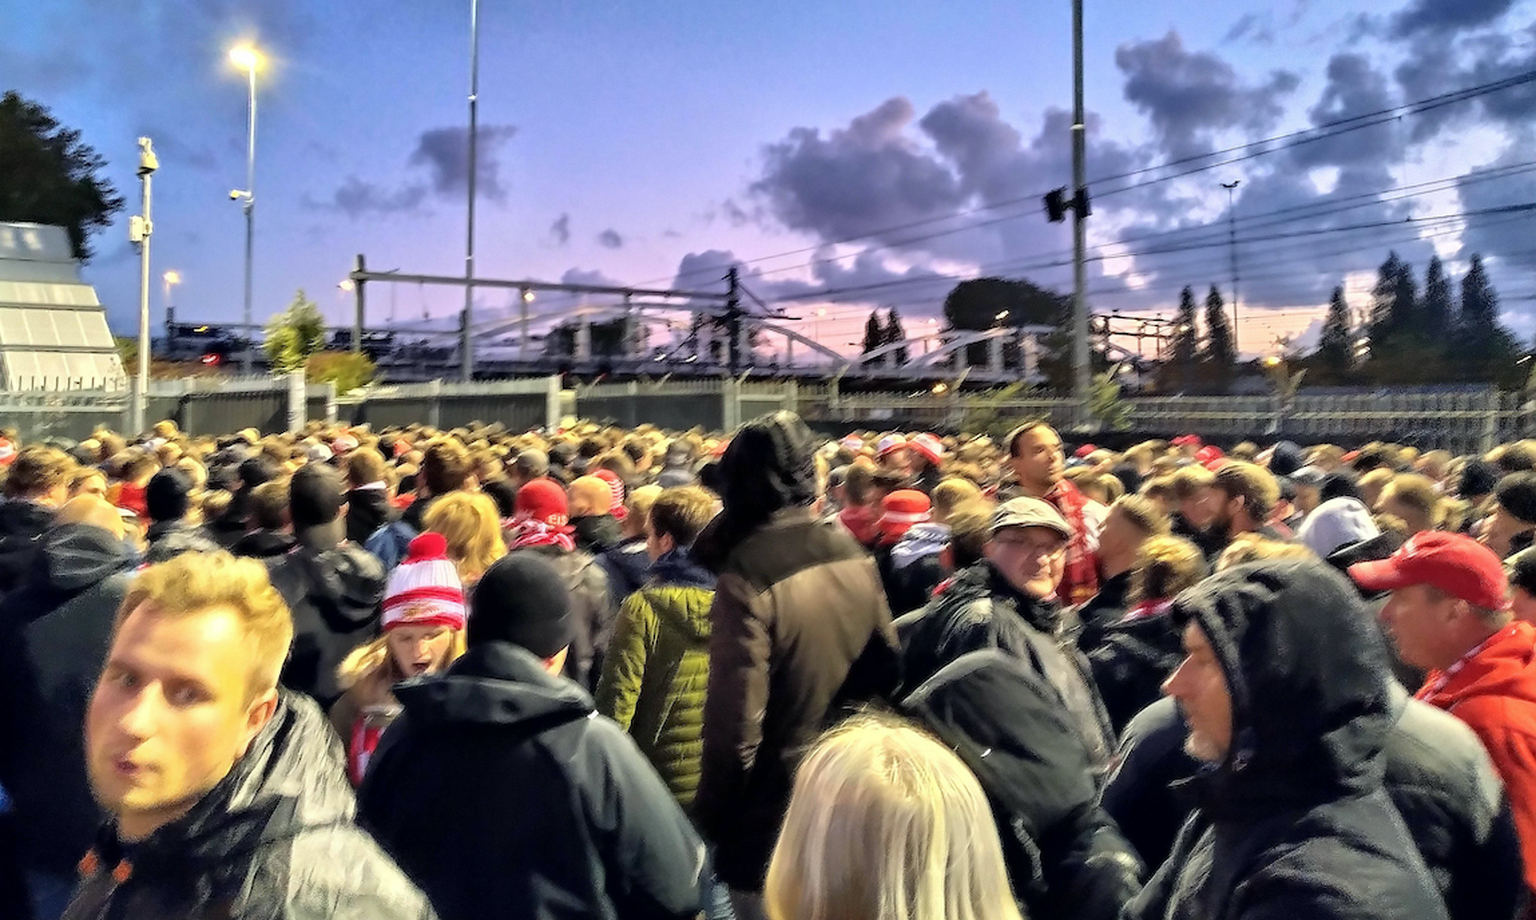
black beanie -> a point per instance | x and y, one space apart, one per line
1339 484
1517 495
168 495
522 599
1478 477
1285 459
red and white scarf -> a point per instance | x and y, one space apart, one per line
1080 581
537 533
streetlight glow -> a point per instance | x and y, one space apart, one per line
346 284
246 57
172 277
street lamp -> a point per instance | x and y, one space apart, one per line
171 278
247 58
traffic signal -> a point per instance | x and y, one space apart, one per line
1080 203
1056 205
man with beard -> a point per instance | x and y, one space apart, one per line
1245 494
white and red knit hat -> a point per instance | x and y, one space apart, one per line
930 447
889 444
616 489
424 589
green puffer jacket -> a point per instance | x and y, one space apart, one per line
657 669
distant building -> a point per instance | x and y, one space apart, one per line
53 330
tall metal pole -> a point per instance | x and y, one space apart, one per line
1080 375
359 303
147 166
466 346
250 215
1231 188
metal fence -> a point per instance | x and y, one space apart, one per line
517 404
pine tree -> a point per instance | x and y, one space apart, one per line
874 337
1394 304
1220 352
1479 303
1186 333
1483 347
1435 313
895 333
1335 350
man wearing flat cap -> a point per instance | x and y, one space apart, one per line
1008 601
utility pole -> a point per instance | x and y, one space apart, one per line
466 344
733 319
139 230
1231 188
1080 367
359 303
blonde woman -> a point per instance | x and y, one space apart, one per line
887 824
469 521
423 633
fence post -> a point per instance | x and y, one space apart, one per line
435 403
298 396
552 403
791 397
730 404
330 402
1490 435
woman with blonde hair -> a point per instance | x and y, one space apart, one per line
423 633
471 524
886 823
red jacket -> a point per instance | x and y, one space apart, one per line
1494 692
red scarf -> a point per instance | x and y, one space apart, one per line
537 533
1080 581
863 521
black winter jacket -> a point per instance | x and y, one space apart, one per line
1097 613
1294 821
503 794
21 525
367 511
263 544
1437 775
54 633
334 594
628 566
274 840
978 610
1130 662
1065 856
169 539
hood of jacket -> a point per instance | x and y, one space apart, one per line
681 591
679 568
596 533
21 518
72 557
921 540
496 683
1308 674
291 778
1505 668
345 581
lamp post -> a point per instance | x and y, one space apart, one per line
248 59
170 279
139 232
1231 188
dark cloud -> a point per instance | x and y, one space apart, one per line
560 230
1504 237
445 154
357 198
1439 63
610 239
1188 96
1447 16
1255 27
1354 87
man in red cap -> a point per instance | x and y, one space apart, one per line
1449 613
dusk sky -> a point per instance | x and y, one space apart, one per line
649 142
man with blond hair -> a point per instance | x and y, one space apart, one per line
226 796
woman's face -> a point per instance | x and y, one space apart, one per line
420 649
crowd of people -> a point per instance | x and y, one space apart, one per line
479 673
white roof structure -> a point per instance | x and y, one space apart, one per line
53 330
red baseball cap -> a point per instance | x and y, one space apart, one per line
1084 451
1186 439
1452 562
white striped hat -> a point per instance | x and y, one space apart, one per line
424 589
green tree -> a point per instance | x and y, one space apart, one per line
1178 371
50 177
1483 349
973 306
347 369
294 335
1437 311
1105 404
1220 353
874 337
1394 303
895 333
1335 356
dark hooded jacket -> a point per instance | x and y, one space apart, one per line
551 810
1097 613
54 633
596 533
592 608
1294 821
22 523
1130 662
263 544
1437 774
1064 855
367 511
274 840
799 631
169 539
628 564
334 592
978 609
